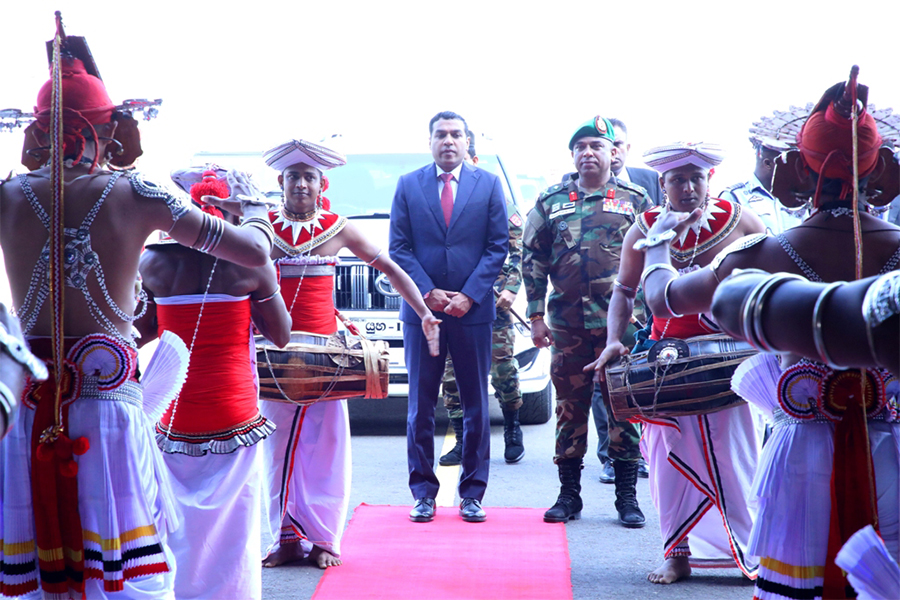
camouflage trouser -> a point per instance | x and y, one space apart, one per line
504 370
572 350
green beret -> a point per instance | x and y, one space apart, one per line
596 127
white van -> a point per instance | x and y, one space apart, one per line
362 191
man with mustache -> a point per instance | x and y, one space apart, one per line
573 238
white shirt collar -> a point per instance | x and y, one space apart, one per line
438 171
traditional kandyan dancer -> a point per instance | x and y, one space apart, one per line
308 457
701 467
825 469
84 496
210 434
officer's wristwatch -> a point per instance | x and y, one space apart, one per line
654 240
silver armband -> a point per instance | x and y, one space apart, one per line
656 267
818 335
654 240
20 353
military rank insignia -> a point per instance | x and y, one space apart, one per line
558 210
619 207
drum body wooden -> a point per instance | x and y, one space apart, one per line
697 382
316 367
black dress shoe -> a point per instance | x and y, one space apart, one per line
423 511
470 510
643 469
607 473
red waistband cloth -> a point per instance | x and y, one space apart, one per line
220 391
680 327
313 309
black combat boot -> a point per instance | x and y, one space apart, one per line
568 506
630 514
512 436
454 456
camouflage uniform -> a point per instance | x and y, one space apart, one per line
575 241
504 367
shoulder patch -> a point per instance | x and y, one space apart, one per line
745 242
632 187
735 186
515 219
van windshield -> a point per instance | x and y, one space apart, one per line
366 184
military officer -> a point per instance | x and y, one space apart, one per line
573 237
504 368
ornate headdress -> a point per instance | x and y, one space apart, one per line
300 151
83 104
673 156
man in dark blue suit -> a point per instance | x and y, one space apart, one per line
646 178
449 232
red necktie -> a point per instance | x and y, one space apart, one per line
447 197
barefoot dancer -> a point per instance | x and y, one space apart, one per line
701 466
308 457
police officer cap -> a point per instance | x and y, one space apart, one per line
596 127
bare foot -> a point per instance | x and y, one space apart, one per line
286 553
672 569
323 558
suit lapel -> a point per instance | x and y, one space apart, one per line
468 177
429 183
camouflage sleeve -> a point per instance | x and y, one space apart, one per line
512 269
537 243
645 202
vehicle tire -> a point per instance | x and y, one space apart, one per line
537 408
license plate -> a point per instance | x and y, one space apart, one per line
380 328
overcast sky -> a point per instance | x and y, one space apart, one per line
525 73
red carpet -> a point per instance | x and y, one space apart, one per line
513 555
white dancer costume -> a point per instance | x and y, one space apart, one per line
308 458
701 470
308 469
124 495
210 443
793 483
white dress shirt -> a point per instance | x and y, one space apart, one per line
454 183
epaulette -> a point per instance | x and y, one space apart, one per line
733 187
553 189
632 187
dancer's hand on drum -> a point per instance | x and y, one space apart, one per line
609 354
540 334
431 329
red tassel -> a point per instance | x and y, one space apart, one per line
80 445
44 452
68 468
